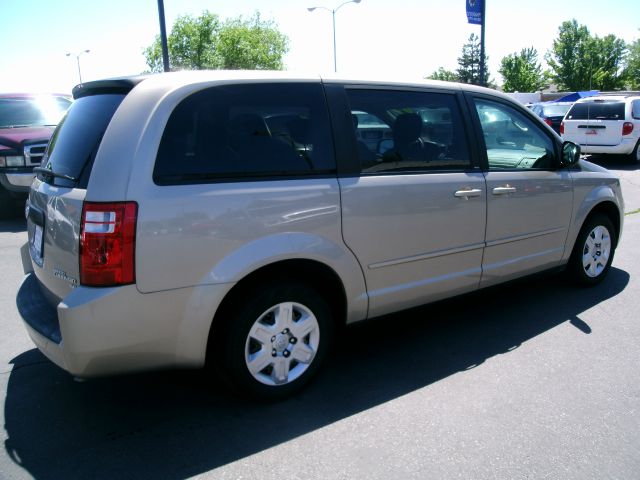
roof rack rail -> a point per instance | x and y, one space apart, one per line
625 93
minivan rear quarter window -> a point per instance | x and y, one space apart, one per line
232 132
76 140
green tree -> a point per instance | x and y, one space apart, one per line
522 72
252 44
567 56
579 61
632 70
206 42
469 63
609 54
444 75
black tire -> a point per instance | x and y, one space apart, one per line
635 155
233 346
9 206
597 228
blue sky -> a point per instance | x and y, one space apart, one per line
399 38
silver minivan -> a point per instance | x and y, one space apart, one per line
239 219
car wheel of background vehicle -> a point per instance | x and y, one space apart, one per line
593 251
9 207
635 155
275 341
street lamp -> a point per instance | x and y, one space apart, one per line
78 60
333 14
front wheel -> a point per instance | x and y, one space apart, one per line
275 341
593 251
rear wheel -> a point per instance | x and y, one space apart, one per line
635 155
272 344
593 251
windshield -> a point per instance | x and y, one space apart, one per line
33 111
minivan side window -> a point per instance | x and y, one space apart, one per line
635 109
512 140
244 132
408 131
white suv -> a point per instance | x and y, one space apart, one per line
605 124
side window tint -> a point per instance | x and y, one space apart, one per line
244 131
408 131
513 141
635 109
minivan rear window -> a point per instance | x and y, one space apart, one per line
76 140
597 111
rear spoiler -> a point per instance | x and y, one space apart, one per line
112 85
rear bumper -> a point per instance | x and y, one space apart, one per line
18 182
623 148
104 331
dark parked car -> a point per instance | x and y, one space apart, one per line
26 124
552 113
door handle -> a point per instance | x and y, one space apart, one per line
468 192
503 190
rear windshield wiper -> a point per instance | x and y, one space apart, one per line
51 173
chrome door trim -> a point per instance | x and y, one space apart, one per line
525 237
426 256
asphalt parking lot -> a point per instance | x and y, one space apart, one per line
535 379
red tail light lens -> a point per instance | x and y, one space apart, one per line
107 243
562 128
627 128
548 122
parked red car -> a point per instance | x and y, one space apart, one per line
26 124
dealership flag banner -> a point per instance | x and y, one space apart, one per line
474 11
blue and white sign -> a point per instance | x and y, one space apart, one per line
474 11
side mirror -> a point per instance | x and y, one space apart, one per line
570 154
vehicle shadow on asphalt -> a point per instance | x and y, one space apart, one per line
15 224
172 425
617 162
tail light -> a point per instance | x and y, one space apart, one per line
548 122
627 128
107 243
561 128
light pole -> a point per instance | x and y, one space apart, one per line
78 61
333 15
163 37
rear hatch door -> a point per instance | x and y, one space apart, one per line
596 122
54 208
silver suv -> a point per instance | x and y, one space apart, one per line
605 124
238 220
